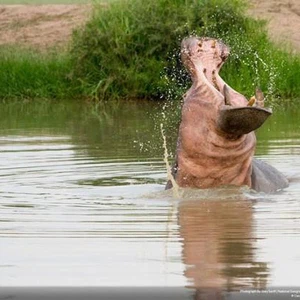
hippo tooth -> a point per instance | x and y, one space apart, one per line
252 101
214 80
259 97
226 95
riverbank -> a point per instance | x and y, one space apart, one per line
44 26
283 20
41 26
43 58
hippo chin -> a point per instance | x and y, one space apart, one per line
216 142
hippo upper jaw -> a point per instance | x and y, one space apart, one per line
203 58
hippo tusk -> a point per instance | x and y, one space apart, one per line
257 100
226 95
260 99
252 101
237 121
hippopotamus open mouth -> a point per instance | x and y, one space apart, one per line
216 140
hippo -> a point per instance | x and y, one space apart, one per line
216 138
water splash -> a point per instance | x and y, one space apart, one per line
224 193
170 177
271 70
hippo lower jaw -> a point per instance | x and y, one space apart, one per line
237 121
242 120
216 141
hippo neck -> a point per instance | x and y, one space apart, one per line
207 158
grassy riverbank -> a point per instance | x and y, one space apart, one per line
130 49
30 74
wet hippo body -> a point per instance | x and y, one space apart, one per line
265 178
216 141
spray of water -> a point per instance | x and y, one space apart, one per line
168 167
271 70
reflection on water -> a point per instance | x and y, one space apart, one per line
83 204
219 245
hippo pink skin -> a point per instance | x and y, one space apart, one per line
216 142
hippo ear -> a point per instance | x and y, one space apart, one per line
241 120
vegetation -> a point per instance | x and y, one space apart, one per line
28 74
130 49
40 2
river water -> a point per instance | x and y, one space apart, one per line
83 204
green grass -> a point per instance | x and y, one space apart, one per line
256 61
39 2
130 49
28 74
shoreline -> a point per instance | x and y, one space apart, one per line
50 25
283 21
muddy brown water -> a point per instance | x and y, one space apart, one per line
83 204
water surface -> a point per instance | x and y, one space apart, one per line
83 204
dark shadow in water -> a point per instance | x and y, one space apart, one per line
219 247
